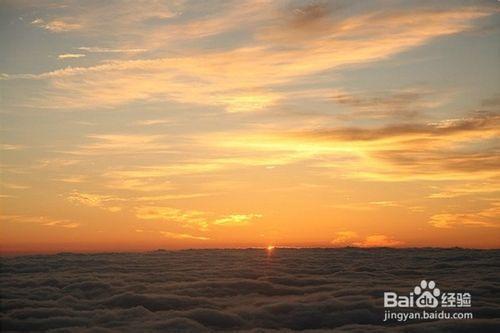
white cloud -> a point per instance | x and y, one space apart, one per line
70 56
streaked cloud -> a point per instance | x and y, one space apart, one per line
390 153
151 122
189 218
487 217
70 55
6 146
200 220
56 25
104 18
454 191
260 67
121 144
106 202
40 220
404 103
175 235
236 219
97 49
251 122
14 186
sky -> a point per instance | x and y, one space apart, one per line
136 125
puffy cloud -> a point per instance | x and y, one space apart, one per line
344 237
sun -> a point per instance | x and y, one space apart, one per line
270 247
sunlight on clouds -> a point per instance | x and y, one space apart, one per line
236 219
192 218
56 25
389 153
189 218
96 49
487 217
12 186
40 220
106 202
70 56
249 102
102 18
218 78
343 238
175 235
72 179
6 146
122 144
454 191
352 238
251 123
378 241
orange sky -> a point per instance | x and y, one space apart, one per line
136 126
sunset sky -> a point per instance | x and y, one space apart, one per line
137 125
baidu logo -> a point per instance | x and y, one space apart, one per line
427 295
423 301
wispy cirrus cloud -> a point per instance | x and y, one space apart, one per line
402 103
98 49
121 144
177 235
487 217
105 18
106 202
7 146
188 218
200 220
56 25
70 56
13 186
448 149
236 219
260 67
459 190
41 220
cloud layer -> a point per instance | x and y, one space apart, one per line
316 290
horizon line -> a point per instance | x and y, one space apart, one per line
47 253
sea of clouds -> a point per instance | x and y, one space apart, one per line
318 290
